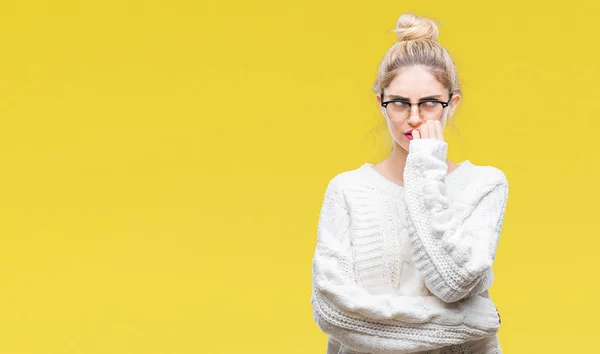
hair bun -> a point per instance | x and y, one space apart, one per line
411 27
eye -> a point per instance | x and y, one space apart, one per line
400 103
429 103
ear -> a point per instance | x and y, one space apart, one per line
454 103
381 109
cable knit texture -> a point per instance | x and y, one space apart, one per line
405 269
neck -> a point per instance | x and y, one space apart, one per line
397 160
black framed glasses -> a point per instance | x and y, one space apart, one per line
398 109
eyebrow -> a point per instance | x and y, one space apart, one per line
407 99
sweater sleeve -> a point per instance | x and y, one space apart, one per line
454 235
382 323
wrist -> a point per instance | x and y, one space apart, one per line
429 147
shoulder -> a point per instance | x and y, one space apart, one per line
348 185
344 179
482 174
471 182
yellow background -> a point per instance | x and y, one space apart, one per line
164 162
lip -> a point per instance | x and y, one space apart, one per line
408 134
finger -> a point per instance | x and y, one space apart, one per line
435 129
431 129
440 130
424 131
415 134
499 319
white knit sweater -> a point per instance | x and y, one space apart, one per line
404 269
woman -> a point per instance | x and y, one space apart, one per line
405 247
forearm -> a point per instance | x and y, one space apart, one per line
387 323
454 239
383 337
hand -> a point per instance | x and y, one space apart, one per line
431 129
498 315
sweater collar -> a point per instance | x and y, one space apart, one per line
377 180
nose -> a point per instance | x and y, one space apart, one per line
414 117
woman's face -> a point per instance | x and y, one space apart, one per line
414 84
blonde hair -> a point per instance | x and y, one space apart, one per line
417 45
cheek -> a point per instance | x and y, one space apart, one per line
397 133
395 130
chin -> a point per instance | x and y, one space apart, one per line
403 145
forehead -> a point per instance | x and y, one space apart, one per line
415 81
